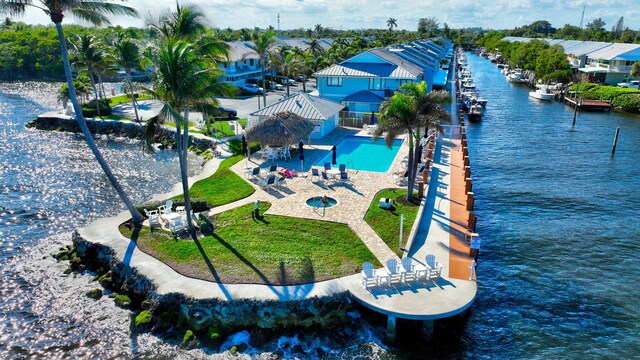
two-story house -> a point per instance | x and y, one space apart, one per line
243 63
612 64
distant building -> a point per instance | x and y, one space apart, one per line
243 63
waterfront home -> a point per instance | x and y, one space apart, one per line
243 63
301 43
363 81
322 112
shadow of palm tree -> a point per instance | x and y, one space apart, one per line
126 259
212 269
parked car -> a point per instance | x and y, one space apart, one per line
284 80
277 86
253 88
226 112
630 84
301 78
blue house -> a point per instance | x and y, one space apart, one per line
243 63
363 81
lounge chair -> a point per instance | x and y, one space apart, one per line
255 174
167 208
369 277
273 168
326 178
435 268
343 167
315 173
398 180
281 182
154 217
392 270
344 177
268 184
408 270
327 166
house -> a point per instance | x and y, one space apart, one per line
322 112
243 63
363 81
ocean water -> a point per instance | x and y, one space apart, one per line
556 212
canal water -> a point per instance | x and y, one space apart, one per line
556 213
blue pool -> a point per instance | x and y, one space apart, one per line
362 153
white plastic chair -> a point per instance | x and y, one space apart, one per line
154 217
435 268
369 278
166 208
392 271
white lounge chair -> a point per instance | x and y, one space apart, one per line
154 217
408 270
167 208
393 271
369 277
435 268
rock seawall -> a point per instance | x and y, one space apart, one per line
128 129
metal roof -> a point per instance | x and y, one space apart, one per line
239 50
613 52
585 48
304 105
363 96
411 68
366 70
633 55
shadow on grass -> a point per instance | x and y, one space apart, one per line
212 269
132 244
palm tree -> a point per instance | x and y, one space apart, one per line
184 79
318 29
127 56
263 42
88 54
315 47
391 23
288 63
94 12
408 111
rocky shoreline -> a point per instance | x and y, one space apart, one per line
129 129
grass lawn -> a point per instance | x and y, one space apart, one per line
126 99
386 223
223 187
112 117
271 249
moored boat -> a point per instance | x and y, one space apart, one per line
542 94
475 114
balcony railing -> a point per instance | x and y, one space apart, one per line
355 118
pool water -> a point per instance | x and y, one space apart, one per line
362 153
316 202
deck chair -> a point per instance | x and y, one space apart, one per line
282 182
273 168
327 166
343 167
392 270
435 268
326 178
344 177
315 173
166 208
255 174
408 270
369 278
154 217
269 183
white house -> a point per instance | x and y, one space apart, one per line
243 63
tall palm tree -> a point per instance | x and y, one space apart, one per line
184 79
127 56
315 47
263 43
409 111
288 63
391 23
96 13
88 55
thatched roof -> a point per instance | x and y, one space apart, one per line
284 128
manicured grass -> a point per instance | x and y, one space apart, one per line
112 117
386 223
126 99
223 187
270 249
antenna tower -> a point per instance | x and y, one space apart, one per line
278 22
582 18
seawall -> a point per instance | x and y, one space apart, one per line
129 129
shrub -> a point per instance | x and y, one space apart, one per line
89 109
628 102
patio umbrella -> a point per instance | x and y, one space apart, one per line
333 155
301 155
244 145
280 129
419 153
372 121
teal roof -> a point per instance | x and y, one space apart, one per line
364 96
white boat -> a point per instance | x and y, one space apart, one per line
542 94
516 77
475 113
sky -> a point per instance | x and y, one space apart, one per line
365 14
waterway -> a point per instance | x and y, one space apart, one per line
557 216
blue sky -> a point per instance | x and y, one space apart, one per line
357 14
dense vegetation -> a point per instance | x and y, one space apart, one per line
627 99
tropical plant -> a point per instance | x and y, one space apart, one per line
96 13
127 56
263 42
409 111
635 69
87 54
289 64
391 23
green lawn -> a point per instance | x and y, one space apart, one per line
223 187
126 99
111 117
269 249
386 223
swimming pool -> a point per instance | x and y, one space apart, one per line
362 153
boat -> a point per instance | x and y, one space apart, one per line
542 94
475 114
516 77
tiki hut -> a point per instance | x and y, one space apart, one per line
283 128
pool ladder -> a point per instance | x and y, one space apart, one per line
350 166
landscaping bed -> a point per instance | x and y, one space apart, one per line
266 249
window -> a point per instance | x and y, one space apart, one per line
250 62
377 84
334 81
